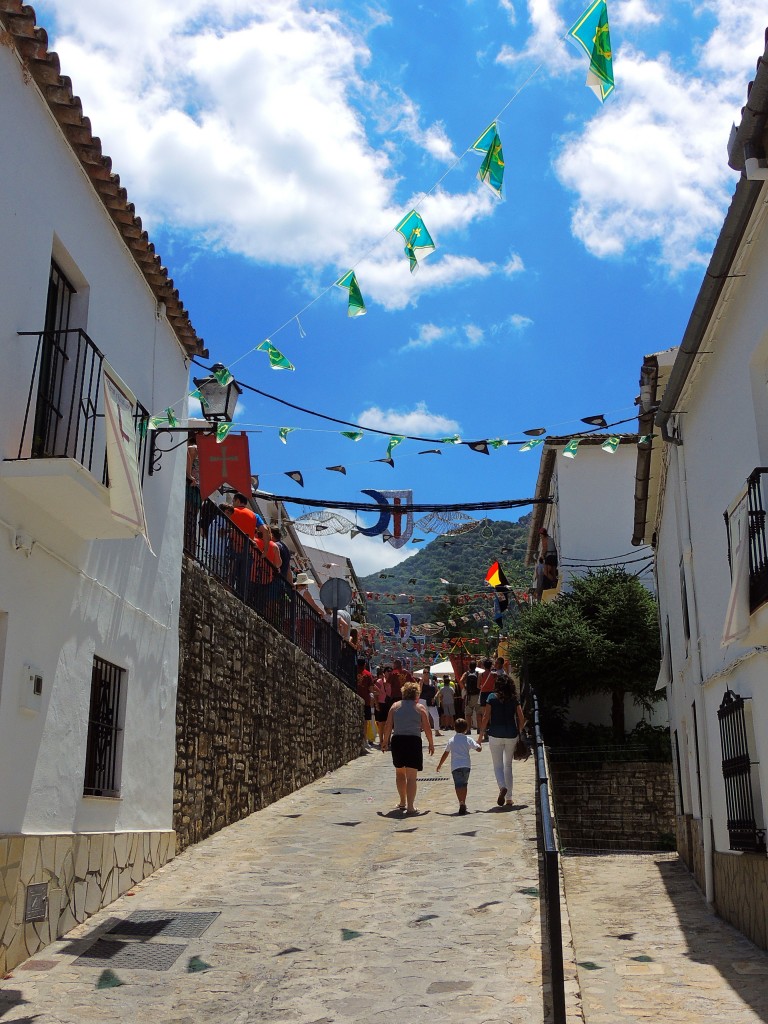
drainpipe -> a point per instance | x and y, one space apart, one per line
701 734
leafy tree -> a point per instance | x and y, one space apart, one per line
601 637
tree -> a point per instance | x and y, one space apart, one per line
601 637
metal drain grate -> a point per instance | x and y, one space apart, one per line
168 923
435 778
137 956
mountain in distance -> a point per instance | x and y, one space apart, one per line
463 560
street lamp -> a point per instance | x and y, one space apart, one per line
218 401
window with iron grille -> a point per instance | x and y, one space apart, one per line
104 744
743 830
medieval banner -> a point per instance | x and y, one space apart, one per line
125 496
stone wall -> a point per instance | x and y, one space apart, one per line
626 805
741 893
256 718
83 872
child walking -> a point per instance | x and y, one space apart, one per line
459 746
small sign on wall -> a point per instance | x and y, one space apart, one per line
36 904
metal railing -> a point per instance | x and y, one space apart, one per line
551 867
65 404
743 832
224 551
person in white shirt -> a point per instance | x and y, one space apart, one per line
459 746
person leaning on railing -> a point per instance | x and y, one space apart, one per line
264 589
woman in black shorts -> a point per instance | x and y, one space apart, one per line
405 723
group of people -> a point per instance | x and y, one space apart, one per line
257 562
405 708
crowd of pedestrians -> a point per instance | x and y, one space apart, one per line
407 707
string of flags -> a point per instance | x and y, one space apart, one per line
592 34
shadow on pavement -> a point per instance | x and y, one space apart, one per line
10 1000
712 941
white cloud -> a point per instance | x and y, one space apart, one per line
418 421
633 12
650 166
474 334
641 174
545 42
514 322
397 112
427 335
514 265
367 554
390 283
509 7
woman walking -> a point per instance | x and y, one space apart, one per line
503 721
382 695
405 723
427 698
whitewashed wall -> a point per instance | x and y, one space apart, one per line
725 434
72 599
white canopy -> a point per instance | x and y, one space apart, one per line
443 668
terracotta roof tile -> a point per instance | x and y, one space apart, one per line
18 29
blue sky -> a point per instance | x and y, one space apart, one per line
270 146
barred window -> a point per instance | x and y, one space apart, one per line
104 745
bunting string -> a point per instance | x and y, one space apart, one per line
592 34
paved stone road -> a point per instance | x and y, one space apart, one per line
329 911
649 949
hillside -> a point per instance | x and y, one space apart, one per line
463 561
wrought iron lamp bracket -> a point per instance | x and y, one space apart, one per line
156 453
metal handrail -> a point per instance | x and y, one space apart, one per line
551 872
226 553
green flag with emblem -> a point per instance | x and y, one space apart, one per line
417 239
276 358
610 445
492 168
355 305
531 444
591 32
571 449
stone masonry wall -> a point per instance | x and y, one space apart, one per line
256 718
617 806
83 873
741 893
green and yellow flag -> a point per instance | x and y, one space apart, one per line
417 238
355 305
571 449
276 358
611 445
492 168
592 34
531 444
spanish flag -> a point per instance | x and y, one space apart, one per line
495 576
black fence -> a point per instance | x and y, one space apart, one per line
743 832
214 541
550 866
65 404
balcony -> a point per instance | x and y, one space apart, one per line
60 465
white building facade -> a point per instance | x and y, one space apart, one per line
88 613
590 521
704 511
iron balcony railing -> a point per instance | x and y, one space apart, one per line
64 413
758 541
224 551
743 831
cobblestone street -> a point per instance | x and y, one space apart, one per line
327 909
